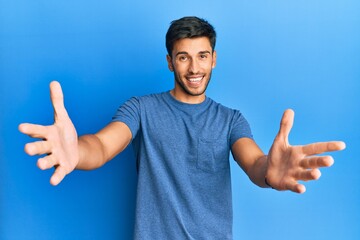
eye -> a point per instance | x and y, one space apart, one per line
203 56
183 58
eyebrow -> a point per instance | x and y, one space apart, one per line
201 52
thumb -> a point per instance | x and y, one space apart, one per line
286 124
57 99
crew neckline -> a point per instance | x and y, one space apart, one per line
178 103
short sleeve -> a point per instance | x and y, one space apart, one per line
240 128
129 113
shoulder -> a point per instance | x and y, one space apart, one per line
150 97
152 102
222 108
145 99
234 116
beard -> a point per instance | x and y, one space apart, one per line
188 90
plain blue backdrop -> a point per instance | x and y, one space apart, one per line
272 55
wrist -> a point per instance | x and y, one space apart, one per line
267 183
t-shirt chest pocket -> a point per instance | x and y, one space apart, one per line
213 155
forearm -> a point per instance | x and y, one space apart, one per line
251 159
91 153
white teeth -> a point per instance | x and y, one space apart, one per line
195 79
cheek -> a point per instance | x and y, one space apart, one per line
208 66
180 68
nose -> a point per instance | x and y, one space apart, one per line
194 67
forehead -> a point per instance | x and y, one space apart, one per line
192 45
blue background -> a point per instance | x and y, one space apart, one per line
272 55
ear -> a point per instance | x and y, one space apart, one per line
214 59
169 61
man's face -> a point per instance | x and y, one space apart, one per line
192 62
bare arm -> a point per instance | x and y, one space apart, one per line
62 147
251 159
97 149
285 165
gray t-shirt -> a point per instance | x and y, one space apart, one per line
182 152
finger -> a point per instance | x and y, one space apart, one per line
299 188
58 176
321 147
286 124
308 175
33 130
57 99
316 162
46 162
37 148
294 186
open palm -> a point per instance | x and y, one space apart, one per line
289 164
59 141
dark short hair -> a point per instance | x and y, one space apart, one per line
189 27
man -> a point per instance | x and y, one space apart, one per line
182 140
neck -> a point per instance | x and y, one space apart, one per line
187 98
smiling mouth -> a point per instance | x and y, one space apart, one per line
196 79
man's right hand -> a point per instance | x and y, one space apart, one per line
59 141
